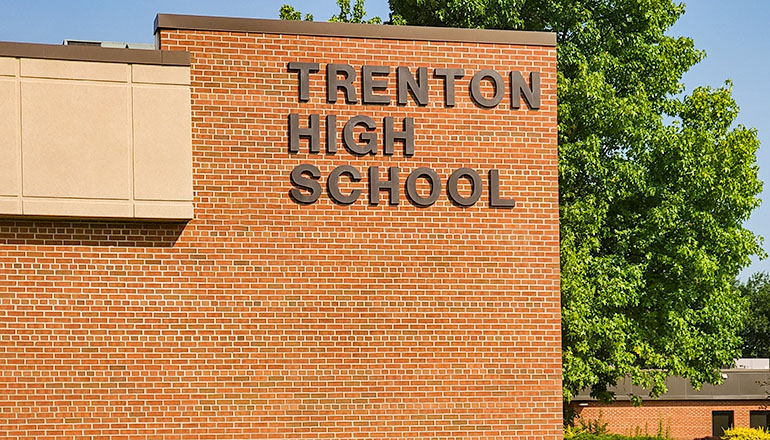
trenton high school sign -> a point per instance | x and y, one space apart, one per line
374 91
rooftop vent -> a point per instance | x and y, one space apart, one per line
116 44
753 364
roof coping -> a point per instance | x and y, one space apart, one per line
353 30
94 53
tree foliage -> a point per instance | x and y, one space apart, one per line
356 15
347 14
756 334
654 189
288 12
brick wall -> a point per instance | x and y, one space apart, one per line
683 420
262 318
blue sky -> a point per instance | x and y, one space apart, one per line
733 34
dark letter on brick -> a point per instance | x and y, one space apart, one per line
495 200
449 76
331 134
368 137
369 84
411 187
303 78
376 185
302 182
417 88
475 180
519 87
498 83
333 184
407 136
313 132
333 82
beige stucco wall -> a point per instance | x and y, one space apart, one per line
94 139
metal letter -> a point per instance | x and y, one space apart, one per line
449 76
519 86
313 132
494 192
370 84
418 89
369 137
298 180
331 134
303 77
333 83
391 135
411 187
475 180
376 185
498 83
333 184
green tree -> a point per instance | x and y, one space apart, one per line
654 190
756 334
356 15
289 13
347 14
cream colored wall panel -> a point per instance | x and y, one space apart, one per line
75 135
162 143
9 137
75 139
142 73
77 208
8 66
74 70
167 210
10 206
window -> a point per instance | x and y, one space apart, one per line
759 419
721 421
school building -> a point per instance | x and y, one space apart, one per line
267 229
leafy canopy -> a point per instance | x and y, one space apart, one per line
355 16
654 189
756 334
347 14
288 13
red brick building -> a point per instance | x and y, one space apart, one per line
172 265
683 412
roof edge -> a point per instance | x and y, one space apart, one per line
352 30
90 53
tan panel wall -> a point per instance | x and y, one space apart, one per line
162 155
76 139
94 139
77 70
9 66
161 74
9 137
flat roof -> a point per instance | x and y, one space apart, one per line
353 30
739 384
94 53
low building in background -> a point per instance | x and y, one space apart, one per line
685 413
